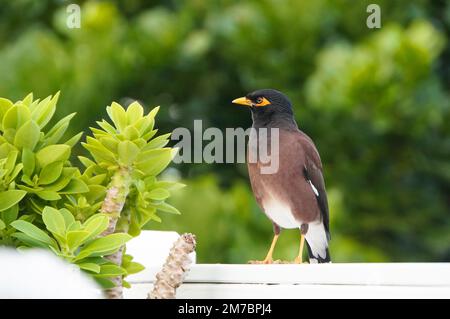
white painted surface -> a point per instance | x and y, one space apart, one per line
365 280
284 291
375 280
151 249
407 274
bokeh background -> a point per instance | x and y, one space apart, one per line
376 102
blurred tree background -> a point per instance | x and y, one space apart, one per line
376 102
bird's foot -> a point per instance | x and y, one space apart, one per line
298 260
266 261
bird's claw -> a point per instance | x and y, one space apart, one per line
261 262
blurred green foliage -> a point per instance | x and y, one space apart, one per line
376 102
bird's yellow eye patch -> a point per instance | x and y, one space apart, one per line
261 101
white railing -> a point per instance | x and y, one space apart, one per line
358 280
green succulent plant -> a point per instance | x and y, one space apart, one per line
35 167
128 152
86 216
76 242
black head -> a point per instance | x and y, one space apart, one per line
270 108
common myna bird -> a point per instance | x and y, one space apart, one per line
294 196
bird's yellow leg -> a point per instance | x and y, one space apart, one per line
299 258
268 259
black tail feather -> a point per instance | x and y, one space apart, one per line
315 258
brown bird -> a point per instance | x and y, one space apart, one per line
294 195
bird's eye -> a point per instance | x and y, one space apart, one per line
259 100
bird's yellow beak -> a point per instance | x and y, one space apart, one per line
242 101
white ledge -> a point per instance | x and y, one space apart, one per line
353 280
391 274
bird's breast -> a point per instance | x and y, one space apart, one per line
280 213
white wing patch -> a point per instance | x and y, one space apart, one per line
314 188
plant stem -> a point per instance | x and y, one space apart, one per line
174 270
113 204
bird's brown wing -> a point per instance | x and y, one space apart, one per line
313 173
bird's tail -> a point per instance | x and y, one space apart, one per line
315 258
317 243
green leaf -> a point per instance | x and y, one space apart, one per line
5 105
28 161
34 232
164 207
94 260
126 284
74 140
30 241
126 259
10 214
110 143
158 142
53 153
158 194
74 226
54 221
11 161
98 133
170 186
90 267
5 149
96 225
28 99
100 154
97 180
44 111
117 115
104 245
134 267
104 283
75 186
76 238
16 116
57 131
111 271
86 161
10 198
66 177
50 173
153 112
48 195
107 127
130 133
144 126
96 193
128 152
27 135
68 217
33 106
155 161
2 224
134 112
14 173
